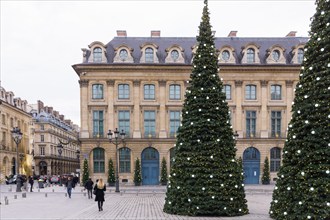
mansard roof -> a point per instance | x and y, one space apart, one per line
187 43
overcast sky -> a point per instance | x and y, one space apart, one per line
41 40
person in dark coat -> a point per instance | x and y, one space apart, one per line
89 186
69 185
99 193
31 181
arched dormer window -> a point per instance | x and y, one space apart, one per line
298 54
149 53
123 54
98 51
275 55
250 54
174 54
97 55
226 55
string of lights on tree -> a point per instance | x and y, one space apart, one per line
205 178
302 188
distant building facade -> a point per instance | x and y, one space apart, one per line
14 112
138 84
50 130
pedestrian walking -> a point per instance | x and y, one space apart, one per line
31 181
89 187
99 190
69 185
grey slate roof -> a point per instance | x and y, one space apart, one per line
188 42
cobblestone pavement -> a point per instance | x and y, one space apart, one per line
143 203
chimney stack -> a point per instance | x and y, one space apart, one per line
121 33
232 34
155 33
291 34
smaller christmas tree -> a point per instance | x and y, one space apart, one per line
85 175
137 173
163 176
111 173
266 176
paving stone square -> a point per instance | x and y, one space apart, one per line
132 203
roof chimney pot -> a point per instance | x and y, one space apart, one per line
232 34
155 33
121 33
291 34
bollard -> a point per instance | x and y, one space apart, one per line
10 189
38 190
53 190
23 195
15 196
137 193
6 202
84 194
66 195
121 193
154 193
45 194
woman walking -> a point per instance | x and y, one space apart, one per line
99 190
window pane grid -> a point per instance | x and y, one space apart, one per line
97 91
250 123
276 93
97 123
98 160
250 92
227 91
124 121
174 122
149 123
175 92
149 92
276 123
123 91
125 160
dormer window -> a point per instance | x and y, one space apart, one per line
250 58
97 55
225 55
149 55
174 55
123 54
276 55
300 55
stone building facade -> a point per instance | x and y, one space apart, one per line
50 130
14 112
138 84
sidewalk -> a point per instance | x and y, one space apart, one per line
144 202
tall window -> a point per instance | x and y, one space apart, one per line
300 55
276 93
3 119
42 150
227 90
250 92
97 55
42 127
250 123
149 53
98 123
174 122
98 160
149 92
124 121
42 138
97 91
275 159
124 160
149 123
276 123
175 92
123 91
250 58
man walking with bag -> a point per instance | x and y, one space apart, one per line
89 186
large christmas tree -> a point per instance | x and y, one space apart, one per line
205 178
302 190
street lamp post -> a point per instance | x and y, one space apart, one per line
60 150
17 136
116 141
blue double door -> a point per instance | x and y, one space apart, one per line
150 166
251 165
